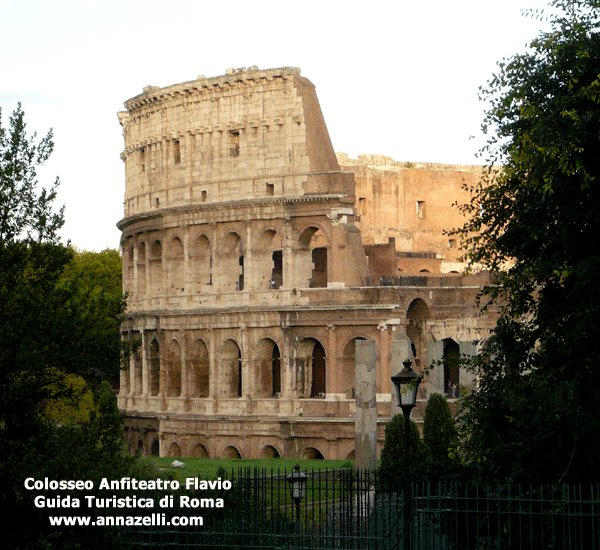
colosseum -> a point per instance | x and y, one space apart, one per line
255 257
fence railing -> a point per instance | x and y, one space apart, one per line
350 509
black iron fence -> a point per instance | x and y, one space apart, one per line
349 509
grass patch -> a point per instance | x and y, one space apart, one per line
209 468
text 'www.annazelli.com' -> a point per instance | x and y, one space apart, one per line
127 521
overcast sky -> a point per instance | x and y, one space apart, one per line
396 78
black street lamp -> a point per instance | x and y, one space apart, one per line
297 482
407 383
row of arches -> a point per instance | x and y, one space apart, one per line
173 448
157 264
171 370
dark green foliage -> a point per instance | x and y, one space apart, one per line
392 469
535 223
92 280
58 315
440 437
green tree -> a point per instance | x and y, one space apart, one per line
440 437
533 222
392 468
92 280
58 317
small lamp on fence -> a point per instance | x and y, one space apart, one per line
407 385
297 482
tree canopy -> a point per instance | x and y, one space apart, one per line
533 221
59 320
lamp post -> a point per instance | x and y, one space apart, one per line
297 482
406 383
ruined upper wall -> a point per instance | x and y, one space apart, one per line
248 134
412 203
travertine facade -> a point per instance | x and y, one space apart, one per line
254 262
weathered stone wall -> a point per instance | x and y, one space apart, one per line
414 204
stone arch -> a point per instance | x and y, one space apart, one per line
347 380
231 452
137 372
200 451
202 263
199 370
231 369
268 258
312 453
451 357
313 256
156 267
128 265
140 447
155 447
416 316
174 450
312 367
269 451
141 269
351 455
173 369
232 263
175 273
268 369
154 367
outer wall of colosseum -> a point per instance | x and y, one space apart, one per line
254 258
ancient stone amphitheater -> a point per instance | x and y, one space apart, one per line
254 258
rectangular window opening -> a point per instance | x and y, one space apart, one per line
234 143
420 209
176 151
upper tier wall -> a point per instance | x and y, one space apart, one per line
248 134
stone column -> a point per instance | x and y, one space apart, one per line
365 423
144 366
332 383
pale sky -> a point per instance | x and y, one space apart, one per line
395 78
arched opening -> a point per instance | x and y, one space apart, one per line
156 271
269 452
155 448
416 315
348 378
174 450
201 257
450 361
232 260
310 453
231 452
199 451
173 369
231 370
175 274
140 447
311 363
351 455
128 268
269 259
154 367
268 375
312 256
141 270
137 372
199 371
